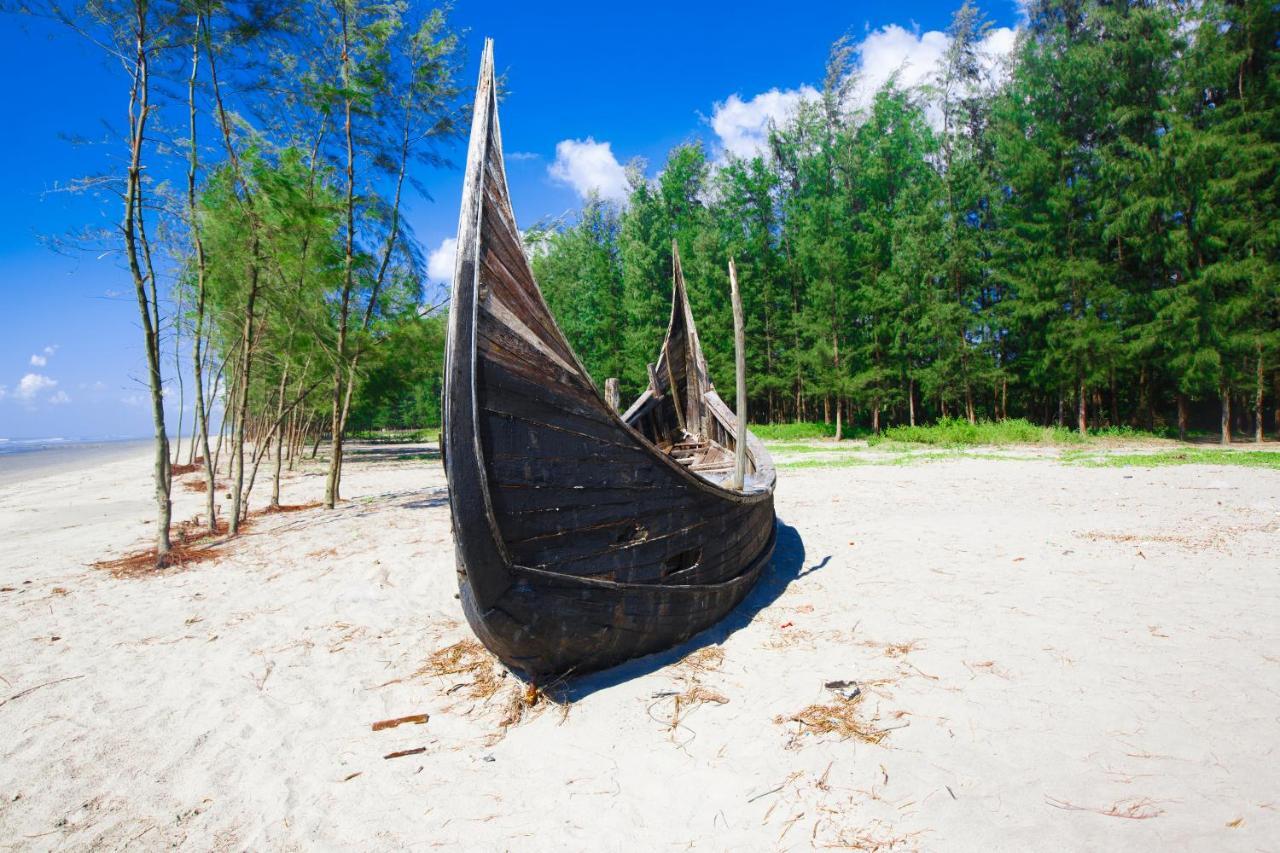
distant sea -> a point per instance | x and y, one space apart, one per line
28 458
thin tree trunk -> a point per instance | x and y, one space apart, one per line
197 358
1257 400
835 361
1082 420
1225 393
275 482
145 285
1182 416
331 493
246 366
911 401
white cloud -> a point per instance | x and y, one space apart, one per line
441 261
915 57
133 398
51 349
32 384
743 126
60 398
39 361
998 45
520 155
587 165
4 391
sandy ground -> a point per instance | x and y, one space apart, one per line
1051 657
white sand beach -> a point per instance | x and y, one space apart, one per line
1047 657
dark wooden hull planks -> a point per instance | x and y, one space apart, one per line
584 538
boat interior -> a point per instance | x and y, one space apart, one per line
680 412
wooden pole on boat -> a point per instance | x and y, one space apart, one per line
675 396
740 357
611 395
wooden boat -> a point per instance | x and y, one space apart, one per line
583 537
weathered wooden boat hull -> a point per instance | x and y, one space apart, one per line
548 625
580 543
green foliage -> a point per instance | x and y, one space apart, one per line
1188 456
793 431
577 268
958 432
1090 239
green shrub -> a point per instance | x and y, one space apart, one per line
793 432
958 432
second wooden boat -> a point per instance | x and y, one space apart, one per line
583 537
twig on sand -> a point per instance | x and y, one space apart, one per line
405 752
416 719
766 793
1137 808
22 693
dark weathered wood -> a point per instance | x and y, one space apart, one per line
740 364
584 537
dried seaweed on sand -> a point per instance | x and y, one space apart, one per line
467 658
841 718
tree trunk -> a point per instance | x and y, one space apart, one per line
197 358
331 493
1257 400
280 413
145 285
911 401
246 365
1226 414
875 418
1182 416
1082 419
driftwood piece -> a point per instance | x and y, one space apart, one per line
402 753
416 719
611 395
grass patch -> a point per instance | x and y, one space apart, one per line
1189 456
958 432
395 436
845 462
805 430
815 448
905 456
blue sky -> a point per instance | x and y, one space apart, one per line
590 86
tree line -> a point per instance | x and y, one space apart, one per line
268 152
1086 233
